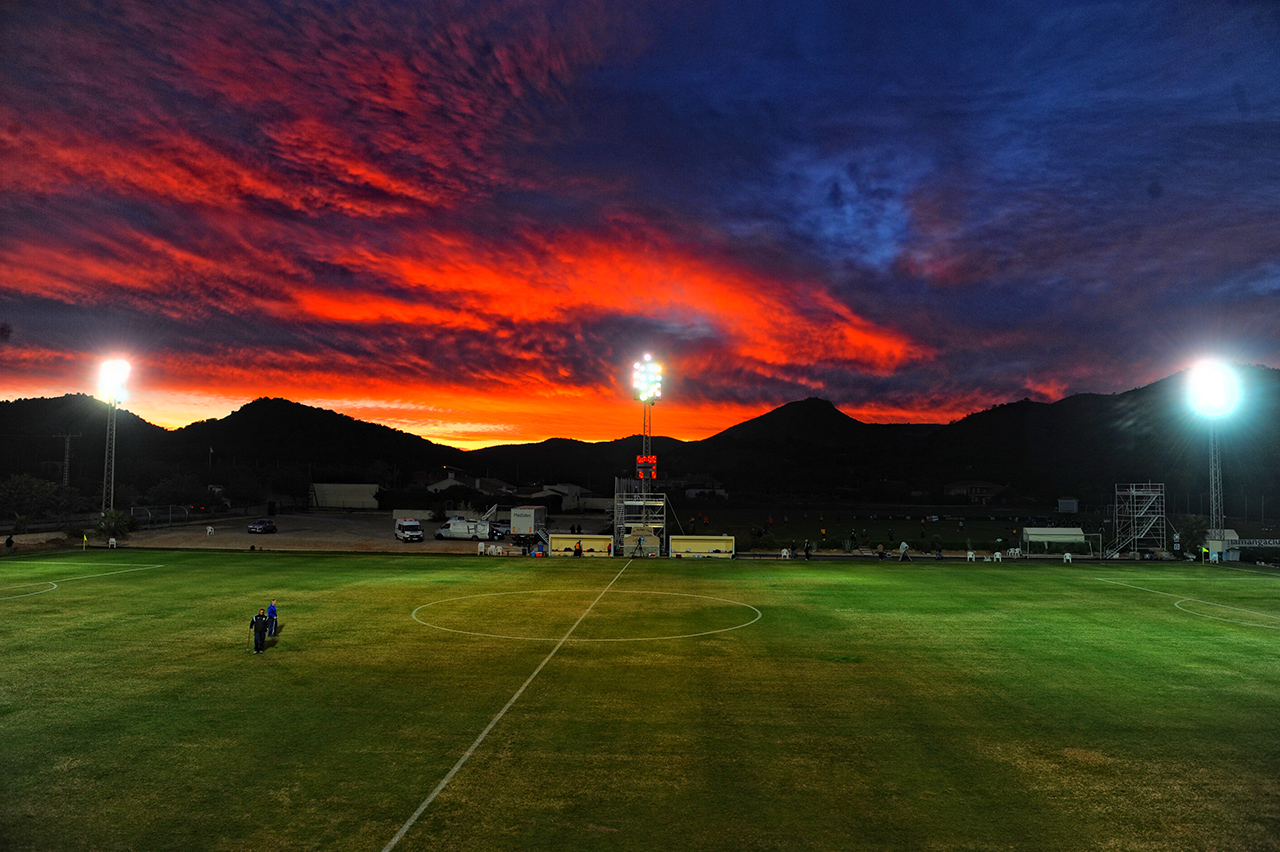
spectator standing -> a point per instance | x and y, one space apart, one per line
258 624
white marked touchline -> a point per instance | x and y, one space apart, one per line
480 739
1251 571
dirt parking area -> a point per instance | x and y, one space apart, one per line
336 531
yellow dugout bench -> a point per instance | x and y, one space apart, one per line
592 545
701 547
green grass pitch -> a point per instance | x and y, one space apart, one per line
645 705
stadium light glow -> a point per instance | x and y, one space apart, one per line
646 379
1213 389
111 380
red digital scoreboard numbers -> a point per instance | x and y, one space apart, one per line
647 467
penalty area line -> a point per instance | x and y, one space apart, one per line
444 782
1181 599
82 577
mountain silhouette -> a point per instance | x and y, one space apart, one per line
1079 446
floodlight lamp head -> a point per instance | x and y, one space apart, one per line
112 378
1213 389
646 379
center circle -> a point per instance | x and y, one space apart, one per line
469 609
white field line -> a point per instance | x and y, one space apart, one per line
493 723
1250 571
1181 599
54 583
52 586
414 616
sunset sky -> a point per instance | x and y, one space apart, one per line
468 219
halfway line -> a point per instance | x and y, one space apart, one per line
475 745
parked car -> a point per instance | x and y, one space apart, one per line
262 525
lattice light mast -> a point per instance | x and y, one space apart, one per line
111 389
646 380
1214 392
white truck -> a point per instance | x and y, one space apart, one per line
528 524
466 528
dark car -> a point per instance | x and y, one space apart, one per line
262 525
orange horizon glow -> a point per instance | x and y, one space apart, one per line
474 421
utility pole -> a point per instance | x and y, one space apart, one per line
66 459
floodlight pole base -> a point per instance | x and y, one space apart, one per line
1217 520
109 466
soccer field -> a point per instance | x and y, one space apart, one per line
460 703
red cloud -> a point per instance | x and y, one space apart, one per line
756 324
268 190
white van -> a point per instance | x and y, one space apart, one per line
408 529
465 528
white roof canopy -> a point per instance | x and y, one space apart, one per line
1053 535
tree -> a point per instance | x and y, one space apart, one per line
185 490
1193 531
114 524
24 494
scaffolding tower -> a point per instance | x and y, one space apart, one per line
639 518
1139 518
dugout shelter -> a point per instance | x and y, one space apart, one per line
700 546
1055 540
562 544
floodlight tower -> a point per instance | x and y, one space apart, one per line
1214 392
111 388
646 379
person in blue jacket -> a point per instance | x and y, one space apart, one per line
271 618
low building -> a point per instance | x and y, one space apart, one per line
485 485
979 493
344 496
571 496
